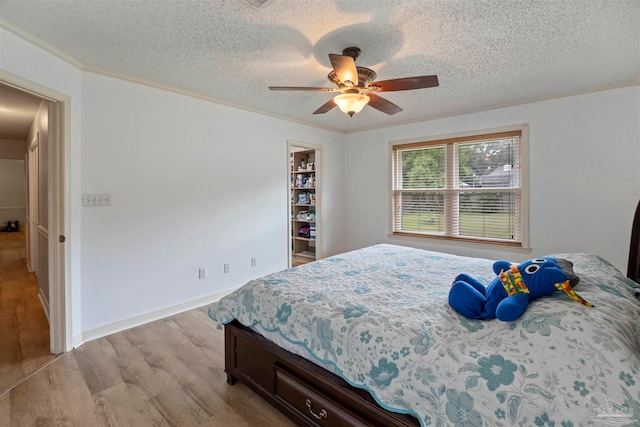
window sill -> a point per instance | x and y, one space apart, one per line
494 246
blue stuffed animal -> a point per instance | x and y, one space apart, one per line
508 295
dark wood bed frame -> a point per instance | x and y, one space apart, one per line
310 395
303 391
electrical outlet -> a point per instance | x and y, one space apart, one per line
202 273
253 262
226 268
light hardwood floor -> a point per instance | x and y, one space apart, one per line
295 261
24 329
166 373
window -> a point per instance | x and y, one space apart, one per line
466 188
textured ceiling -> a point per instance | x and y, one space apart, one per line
17 110
485 53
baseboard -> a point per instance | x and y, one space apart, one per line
45 304
76 341
132 322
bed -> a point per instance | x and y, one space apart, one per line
368 338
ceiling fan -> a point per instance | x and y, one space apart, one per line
357 86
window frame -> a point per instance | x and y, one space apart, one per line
448 140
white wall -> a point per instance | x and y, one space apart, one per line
193 184
12 191
12 149
584 178
12 182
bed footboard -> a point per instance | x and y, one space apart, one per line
304 392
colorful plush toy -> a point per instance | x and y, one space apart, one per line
508 295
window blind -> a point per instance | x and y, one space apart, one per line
459 188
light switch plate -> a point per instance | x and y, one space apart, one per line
96 200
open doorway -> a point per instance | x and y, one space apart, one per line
24 325
305 203
33 309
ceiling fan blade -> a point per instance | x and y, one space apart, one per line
383 105
345 68
327 106
407 83
308 89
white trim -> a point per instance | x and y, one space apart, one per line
60 224
35 143
38 42
319 167
45 304
33 174
465 244
192 94
43 231
524 185
76 341
142 319
11 208
462 134
499 106
48 47
289 207
18 82
44 45
157 85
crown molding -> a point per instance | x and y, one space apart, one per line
49 48
42 44
635 82
192 94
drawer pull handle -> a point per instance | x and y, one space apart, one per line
320 415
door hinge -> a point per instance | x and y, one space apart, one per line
62 238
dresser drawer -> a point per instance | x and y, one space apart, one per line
312 404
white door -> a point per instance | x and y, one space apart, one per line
32 208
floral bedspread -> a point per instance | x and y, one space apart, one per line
380 316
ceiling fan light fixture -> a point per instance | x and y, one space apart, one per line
351 103
359 86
